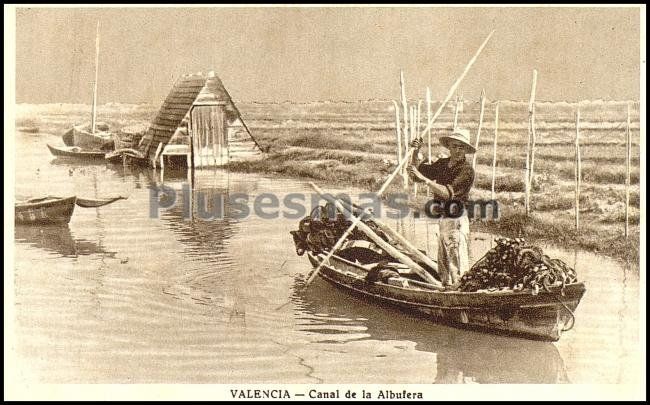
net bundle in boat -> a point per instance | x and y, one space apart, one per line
513 264
319 232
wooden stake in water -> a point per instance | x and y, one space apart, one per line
404 103
533 131
428 119
93 123
406 124
398 132
494 151
407 141
416 130
628 158
480 125
456 111
577 168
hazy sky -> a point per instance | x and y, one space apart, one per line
304 54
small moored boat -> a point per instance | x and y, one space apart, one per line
93 136
75 152
541 316
55 210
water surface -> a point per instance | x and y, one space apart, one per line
117 296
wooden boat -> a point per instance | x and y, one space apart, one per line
119 155
75 152
45 210
480 357
98 140
543 316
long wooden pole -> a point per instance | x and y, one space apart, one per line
450 93
402 86
577 169
429 119
398 132
93 122
480 125
417 131
419 116
628 159
533 130
379 241
409 152
456 111
412 250
457 83
494 149
414 129
356 221
407 141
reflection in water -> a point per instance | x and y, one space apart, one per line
213 280
75 162
58 239
462 356
203 234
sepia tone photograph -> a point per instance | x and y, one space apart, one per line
324 202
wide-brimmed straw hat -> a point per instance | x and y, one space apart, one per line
460 135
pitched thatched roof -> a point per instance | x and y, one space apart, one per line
188 90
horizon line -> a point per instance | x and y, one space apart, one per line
358 101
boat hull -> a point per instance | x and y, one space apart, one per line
89 141
540 317
75 153
48 211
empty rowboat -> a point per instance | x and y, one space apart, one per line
45 210
55 210
541 316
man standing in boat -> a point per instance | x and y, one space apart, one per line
450 180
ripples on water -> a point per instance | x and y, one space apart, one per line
117 296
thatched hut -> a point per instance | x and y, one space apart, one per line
198 118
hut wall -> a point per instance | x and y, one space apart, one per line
210 143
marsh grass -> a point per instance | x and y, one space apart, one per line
354 143
594 237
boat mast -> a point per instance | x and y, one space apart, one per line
94 108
